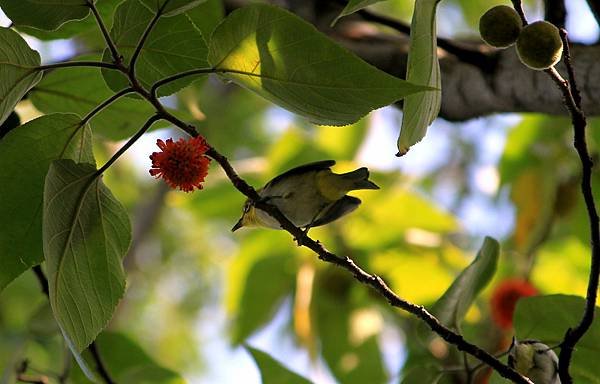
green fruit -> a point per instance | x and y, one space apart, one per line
539 45
500 26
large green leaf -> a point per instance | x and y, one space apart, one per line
272 371
81 91
25 155
44 14
75 27
451 308
421 109
207 16
86 232
353 6
286 60
171 7
175 45
547 318
17 70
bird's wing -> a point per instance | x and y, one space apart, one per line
316 166
338 209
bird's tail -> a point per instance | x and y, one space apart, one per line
359 179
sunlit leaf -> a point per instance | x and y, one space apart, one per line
547 318
421 109
452 307
17 73
86 233
171 7
175 45
286 60
25 154
272 371
44 14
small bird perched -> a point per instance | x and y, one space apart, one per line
535 360
309 196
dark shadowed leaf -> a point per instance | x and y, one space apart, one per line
286 60
171 7
175 45
73 28
452 307
25 154
12 121
421 109
86 233
81 91
44 14
17 70
547 318
272 371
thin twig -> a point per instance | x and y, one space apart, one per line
518 6
129 143
66 64
99 364
93 348
140 44
572 101
105 104
595 7
23 378
178 76
117 58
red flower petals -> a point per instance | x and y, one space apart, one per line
505 297
182 163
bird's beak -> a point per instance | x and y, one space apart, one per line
238 225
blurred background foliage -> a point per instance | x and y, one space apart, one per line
196 292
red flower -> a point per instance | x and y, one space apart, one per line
182 163
505 297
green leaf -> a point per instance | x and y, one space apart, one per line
272 371
44 14
25 154
86 233
286 60
81 91
547 318
171 7
353 6
207 16
451 308
269 280
75 27
175 45
17 70
421 109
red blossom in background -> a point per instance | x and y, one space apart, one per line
505 297
182 163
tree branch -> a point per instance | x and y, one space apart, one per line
66 64
140 44
92 348
178 76
595 8
105 104
117 58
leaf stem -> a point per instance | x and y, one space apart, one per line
117 58
37 270
140 44
66 64
128 144
178 76
105 104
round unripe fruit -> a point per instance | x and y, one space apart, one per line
500 26
539 45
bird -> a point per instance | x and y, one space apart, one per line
535 360
309 196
